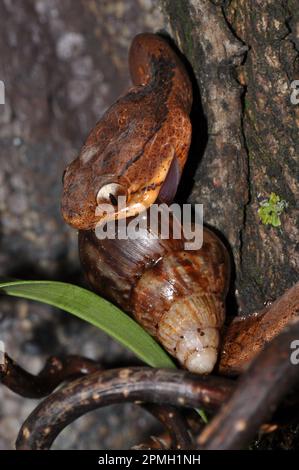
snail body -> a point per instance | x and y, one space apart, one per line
138 150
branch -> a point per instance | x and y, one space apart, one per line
56 370
260 389
140 384
61 369
175 423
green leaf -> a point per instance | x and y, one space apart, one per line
202 414
95 310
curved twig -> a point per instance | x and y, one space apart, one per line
56 370
176 424
59 369
261 388
178 388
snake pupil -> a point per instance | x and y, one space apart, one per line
113 199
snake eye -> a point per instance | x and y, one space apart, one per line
63 175
110 193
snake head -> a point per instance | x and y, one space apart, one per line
137 151
92 195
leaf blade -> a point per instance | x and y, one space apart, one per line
99 312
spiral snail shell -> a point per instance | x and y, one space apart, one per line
177 295
138 149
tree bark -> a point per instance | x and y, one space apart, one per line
244 55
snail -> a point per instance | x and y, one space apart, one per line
138 150
177 295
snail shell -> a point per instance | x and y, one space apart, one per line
177 295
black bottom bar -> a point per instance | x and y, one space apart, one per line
132 458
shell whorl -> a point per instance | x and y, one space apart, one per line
180 301
176 295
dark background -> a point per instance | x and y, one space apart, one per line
63 64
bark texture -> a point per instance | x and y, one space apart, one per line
245 57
